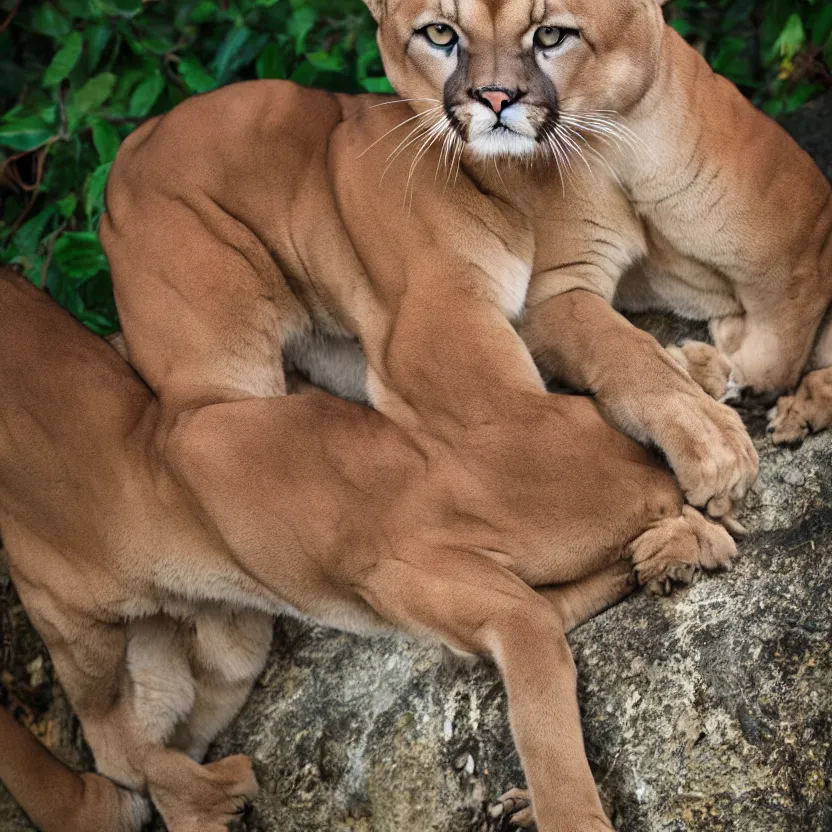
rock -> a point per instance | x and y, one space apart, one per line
709 711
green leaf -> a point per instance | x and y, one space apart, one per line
234 41
802 94
271 63
380 86
158 45
305 74
64 61
83 9
682 26
15 114
327 61
773 108
66 206
146 95
822 26
301 24
204 12
792 38
121 8
95 190
195 76
47 20
106 140
29 235
96 39
26 134
94 93
79 255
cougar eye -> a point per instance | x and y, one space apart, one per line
547 37
441 35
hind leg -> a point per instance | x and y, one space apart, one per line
580 601
809 410
58 799
477 607
228 651
131 685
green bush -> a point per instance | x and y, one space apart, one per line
76 76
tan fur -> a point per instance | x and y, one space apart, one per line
257 226
705 207
57 798
128 522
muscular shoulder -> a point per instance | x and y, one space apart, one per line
242 124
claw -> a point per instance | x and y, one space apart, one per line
733 526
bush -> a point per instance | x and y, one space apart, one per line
76 76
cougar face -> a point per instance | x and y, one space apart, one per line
507 74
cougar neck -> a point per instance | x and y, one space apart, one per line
665 123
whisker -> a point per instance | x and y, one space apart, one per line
457 148
447 144
459 155
563 131
609 137
432 137
557 153
412 138
591 122
500 175
599 156
398 127
404 101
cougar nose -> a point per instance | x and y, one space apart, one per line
498 98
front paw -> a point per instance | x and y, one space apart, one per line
706 365
787 422
516 805
711 453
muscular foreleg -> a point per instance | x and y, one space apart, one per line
477 607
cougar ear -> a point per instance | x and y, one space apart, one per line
376 7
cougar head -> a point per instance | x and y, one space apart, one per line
509 76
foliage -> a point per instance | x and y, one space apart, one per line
778 52
76 76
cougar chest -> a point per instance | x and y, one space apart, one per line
502 250
510 274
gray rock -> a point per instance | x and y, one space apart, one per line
710 711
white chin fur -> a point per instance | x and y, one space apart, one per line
503 143
485 140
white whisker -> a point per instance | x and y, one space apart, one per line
600 156
397 127
563 131
619 134
412 138
432 137
405 101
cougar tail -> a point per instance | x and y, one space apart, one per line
57 799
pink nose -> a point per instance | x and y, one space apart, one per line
498 100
